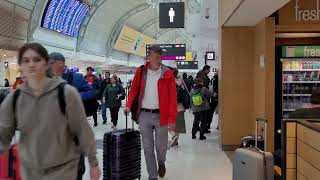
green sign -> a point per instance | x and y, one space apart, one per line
99 70
301 51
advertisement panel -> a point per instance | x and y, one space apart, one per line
132 41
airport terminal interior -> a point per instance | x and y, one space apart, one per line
246 73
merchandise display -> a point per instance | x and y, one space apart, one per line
301 76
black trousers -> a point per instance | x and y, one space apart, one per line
114 115
95 118
200 122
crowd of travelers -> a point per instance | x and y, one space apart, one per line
50 97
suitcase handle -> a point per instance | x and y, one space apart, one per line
265 132
127 122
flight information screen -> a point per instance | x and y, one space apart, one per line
65 16
172 51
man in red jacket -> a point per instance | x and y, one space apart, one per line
157 109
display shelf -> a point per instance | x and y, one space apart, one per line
300 70
296 95
302 82
289 110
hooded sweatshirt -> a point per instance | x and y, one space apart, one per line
46 134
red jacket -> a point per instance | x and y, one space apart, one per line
166 93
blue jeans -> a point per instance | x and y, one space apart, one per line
104 111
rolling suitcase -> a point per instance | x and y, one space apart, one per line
253 163
122 154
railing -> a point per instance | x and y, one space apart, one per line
300 149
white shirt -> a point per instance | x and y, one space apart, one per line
150 98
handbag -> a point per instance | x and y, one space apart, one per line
135 104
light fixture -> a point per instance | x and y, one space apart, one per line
5 55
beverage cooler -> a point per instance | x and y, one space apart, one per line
297 74
300 76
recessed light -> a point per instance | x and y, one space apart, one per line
4 55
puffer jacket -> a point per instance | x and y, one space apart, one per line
46 134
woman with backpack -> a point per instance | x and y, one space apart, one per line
51 138
182 96
112 96
200 105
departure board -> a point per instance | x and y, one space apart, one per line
65 16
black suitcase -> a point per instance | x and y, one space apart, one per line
122 154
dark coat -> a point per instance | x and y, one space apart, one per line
202 75
111 94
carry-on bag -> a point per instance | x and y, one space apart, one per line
122 154
253 163
10 164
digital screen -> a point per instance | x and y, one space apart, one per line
187 65
64 16
211 56
171 15
172 51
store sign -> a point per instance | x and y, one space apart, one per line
307 14
187 65
133 42
172 51
301 51
171 15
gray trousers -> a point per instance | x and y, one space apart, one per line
153 135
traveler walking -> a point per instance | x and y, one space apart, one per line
105 82
6 83
87 93
112 97
93 81
19 81
52 136
187 82
156 111
182 95
200 105
203 74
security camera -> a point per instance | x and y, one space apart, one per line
207 15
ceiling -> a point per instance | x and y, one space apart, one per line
260 8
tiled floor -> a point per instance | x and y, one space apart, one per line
192 160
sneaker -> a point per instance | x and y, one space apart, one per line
208 132
174 141
194 136
162 170
203 138
104 122
95 124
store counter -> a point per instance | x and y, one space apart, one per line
301 149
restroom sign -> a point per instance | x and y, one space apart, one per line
171 15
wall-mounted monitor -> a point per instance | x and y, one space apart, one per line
172 51
187 65
64 16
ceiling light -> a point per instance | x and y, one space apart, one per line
5 55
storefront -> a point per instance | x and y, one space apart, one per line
9 68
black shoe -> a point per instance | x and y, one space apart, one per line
95 124
104 122
203 138
162 170
207 132
194 136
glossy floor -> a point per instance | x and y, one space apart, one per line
192 160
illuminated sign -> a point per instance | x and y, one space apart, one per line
132 41
64 16
187 65
171 15
211 56
172 51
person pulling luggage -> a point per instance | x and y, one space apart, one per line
53 136
153 102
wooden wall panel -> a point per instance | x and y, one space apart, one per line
291 174
236 87
291 130
291 145
307 170
309 154
308 136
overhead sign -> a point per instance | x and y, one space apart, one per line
211 56
189 56
132 41
301 51
171 15
172 51
187 65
